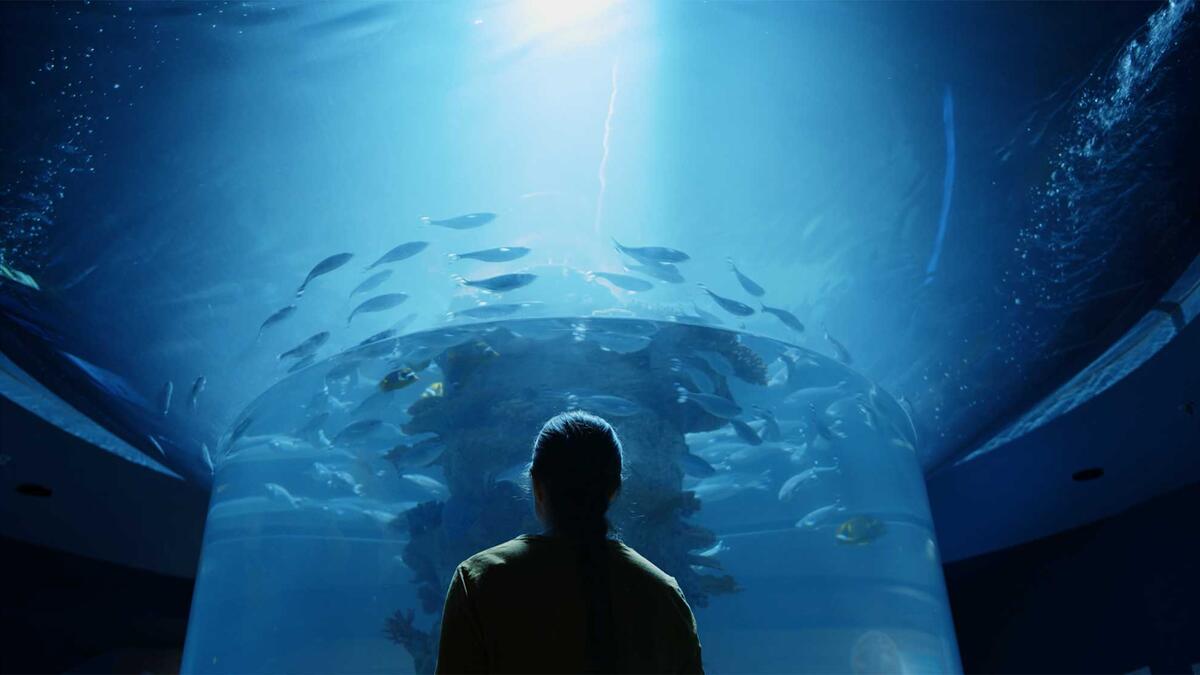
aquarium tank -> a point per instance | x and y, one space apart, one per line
337 262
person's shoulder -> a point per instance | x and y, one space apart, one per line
644 568
497 556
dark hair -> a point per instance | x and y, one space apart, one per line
577 465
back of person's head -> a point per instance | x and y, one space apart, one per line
577 470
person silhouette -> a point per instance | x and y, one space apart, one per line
573 599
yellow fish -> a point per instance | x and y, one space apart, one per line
435 389
398 379
859 530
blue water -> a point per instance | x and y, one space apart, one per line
966 204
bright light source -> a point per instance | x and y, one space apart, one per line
572 21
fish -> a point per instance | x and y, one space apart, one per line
718 362
433 390
714 550
858 530
324 267
402 252
706 315
722 486
239 430
717 406
652 254
661 271
695 466
197 387
333 477
416 455
371 283
604 404
786 317
467 222
790 487
819 517
206 456
280 494
492 311
492 255
275 318
745 432
398 379
302 363
430 485
378 303
839 349
699 378
621 343
770 431
728 304
622 281
164 398
746 282
501 283
365 431
309 346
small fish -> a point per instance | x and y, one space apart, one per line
275 318
417 455
378 303
786 317
324 267
302 363
371 283
623 281
718 406
771 431
430 485
280 494
206 456
309 346
493 311
819 517
714 550
197 388
661 271
858 530
471 220
696 466
728 304
164 398
402 252
398 379
790 487
746 282
604 404
652 254
499 284
435 389
333 477
698 377
492 255
745 432
839 349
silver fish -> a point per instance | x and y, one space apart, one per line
492 311
371 283
493 255
624 281
164 398
696 466
661 271
746 282
771 431
839 349
401 252
324 267
790 487
698 377
819 517
461 222
728 304
786 317
276 318
718 406
416 455
604 404
378 303
652 254
197 388
501 283
309 346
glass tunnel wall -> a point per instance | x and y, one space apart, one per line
346 495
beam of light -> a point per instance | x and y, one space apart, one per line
947 186
602 173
